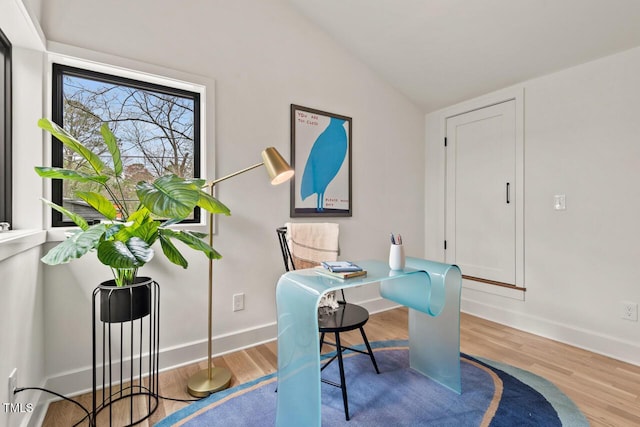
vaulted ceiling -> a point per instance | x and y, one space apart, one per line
440 52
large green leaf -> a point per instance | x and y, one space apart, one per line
72 143
112 145
211 204
99 203
140 216
191 239
75 246
113 229
141 225
171 252
124 233
198 234
147 231
169 196
198 182
135 252
60 173
77 219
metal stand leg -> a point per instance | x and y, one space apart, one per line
366 342
343 383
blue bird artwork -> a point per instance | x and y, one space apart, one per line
324 162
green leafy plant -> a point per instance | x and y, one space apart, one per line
123 240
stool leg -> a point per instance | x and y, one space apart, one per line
343 383
321 341
366 342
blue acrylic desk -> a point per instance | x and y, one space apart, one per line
430 289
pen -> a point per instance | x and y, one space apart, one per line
393 240
399 239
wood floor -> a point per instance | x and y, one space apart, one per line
606 390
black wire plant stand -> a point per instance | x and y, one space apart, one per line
126 331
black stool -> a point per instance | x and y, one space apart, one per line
347 317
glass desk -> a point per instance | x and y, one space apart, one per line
430 289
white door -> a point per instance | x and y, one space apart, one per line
480 193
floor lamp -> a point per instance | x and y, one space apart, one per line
216 378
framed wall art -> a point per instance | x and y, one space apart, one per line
321 156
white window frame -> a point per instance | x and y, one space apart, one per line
135 70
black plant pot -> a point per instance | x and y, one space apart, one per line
125 303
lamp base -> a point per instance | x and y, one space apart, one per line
200 385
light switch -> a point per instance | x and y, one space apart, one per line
559 202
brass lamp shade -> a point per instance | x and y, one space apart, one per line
277 167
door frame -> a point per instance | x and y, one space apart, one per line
516 94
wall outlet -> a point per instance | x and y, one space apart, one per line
629 310
13 385
238 302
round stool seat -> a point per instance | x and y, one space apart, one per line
345 318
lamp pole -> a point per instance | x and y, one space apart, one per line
214 378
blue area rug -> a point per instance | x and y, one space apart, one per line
493 394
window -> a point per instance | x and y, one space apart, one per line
5 129
157 127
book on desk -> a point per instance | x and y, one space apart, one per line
341 269
340 266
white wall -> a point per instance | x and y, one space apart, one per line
581 140
22 331
263 57
21 284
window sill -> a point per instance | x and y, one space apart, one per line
16 241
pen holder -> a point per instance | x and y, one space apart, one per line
396 257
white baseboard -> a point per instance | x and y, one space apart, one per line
80 381
605 345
